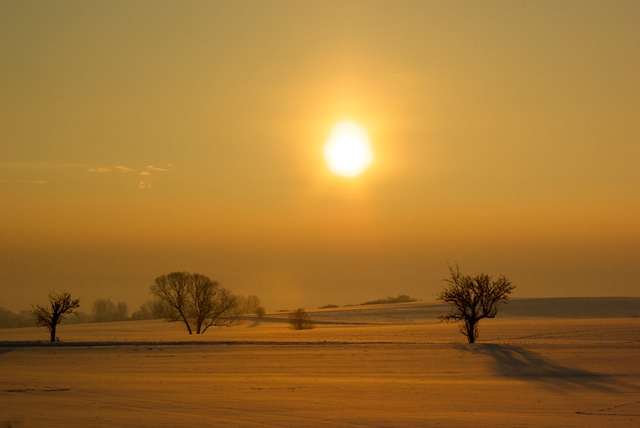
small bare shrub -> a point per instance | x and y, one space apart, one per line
299 320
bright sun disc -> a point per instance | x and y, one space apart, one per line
347 150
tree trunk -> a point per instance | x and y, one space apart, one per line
471 330
186 321
53 332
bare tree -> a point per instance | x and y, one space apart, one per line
473 299
196 300
60 305
299 320
173 290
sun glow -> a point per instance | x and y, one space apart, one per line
348 151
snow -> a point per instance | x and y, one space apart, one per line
357 368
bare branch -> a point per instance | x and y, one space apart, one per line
197 301
473 299
60 306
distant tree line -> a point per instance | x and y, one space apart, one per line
152 309
9 319
250 305
104 310
329 306
402 298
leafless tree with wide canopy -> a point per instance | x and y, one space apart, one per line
196 300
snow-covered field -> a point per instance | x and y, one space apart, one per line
384 366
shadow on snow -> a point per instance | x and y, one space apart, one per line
520 363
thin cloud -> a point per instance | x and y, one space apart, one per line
112 168
157 168
144 174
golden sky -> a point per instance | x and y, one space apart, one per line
138 138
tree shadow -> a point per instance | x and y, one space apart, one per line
519 363
255 323
5 350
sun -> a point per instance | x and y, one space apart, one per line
347 150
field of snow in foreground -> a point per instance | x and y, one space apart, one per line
536 372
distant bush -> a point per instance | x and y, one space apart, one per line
260 311
299 320
402 298
328 307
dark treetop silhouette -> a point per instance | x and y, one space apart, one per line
472 299
196 300
60 305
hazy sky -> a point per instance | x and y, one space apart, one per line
143 137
